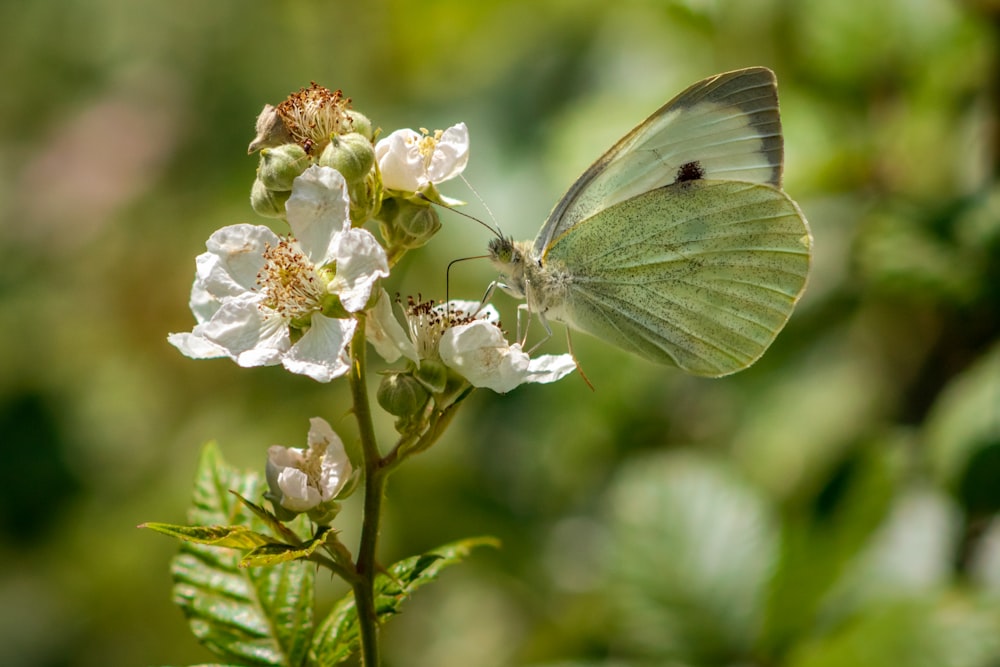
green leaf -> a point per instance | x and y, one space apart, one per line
236 537
337 638
691 551
255 616
276 552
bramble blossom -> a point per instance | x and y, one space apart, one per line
412 161
263 299
309 480
467 339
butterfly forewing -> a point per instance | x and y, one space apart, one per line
702 274
725 127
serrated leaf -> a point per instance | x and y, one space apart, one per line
274 553
337 638
271 521
235 537
248 616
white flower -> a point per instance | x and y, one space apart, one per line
467 338
259 299
301 480
410 161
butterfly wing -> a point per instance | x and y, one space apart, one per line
701 274
725 127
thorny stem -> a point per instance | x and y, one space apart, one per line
364 590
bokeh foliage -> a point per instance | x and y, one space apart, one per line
836 504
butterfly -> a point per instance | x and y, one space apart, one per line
677 244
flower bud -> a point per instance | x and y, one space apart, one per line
365 198
268 203
351 154
401 395
433 375
408 224
358 122
282 165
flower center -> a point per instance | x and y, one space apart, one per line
427 143
428 321
289 281
314 114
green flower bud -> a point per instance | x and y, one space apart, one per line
433 375
401 395
365 196
282 165
268 203
358 122
351 154
408 224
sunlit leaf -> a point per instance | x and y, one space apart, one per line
235 537
337 637
274 553
257 616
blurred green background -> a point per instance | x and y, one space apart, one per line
836 504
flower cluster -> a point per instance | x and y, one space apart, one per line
297 298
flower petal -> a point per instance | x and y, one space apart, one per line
195 346
250 334
235 256
400 161
479 352
297 494
386 334
360 262
318 209
321 352
451 154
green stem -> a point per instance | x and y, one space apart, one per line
364 585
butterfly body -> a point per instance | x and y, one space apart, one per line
678 244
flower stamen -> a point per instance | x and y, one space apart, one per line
289 281
314 114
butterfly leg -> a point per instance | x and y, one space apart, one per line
541 318
579 368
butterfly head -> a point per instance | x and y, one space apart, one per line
508 258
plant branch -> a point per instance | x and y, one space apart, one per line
364 584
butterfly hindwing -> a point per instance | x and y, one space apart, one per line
702 274
726 127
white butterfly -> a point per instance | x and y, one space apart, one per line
678 243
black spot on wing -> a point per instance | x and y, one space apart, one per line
689 171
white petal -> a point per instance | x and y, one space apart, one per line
298 496
321 352
192 344
360 262
549 367
318 209
386 334
400 161
202 303
451 154
247 332
479 352
284 457
335 467
235 256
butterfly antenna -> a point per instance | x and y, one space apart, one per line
496 225
447 276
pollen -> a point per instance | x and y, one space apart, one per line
427 143
289 281
314 114
428 320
